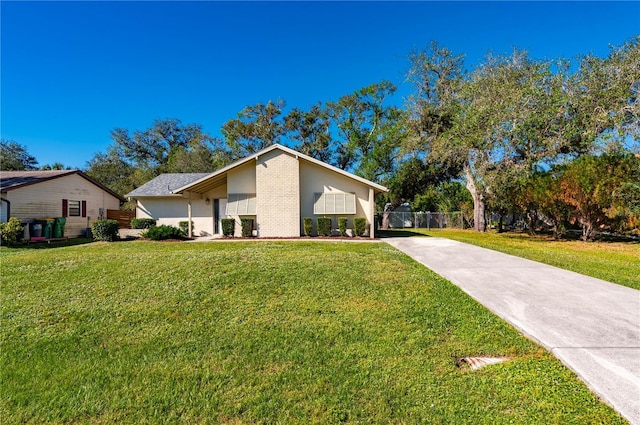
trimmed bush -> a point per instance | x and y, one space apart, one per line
360 226
342 226
142 223
163 232
247 227
228 227
323 226
105 230
183 226
10 232
308 225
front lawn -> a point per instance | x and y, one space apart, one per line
617 262
262 332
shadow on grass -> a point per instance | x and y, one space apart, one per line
56 244
398 233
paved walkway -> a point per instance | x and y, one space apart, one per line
591 325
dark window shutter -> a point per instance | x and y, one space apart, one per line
84 208
65 207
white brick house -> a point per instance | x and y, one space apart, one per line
277 187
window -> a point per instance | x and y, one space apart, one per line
241 204
74 208
334 203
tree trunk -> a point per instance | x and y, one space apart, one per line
479 222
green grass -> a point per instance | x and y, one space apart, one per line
617 262
262 332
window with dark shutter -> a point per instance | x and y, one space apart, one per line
84 208
65 207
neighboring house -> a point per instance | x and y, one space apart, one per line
29 195
277 187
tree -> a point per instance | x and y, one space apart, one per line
497 123
152 148
256 127
14 157
369 131
605 100
198 157
597 187
311 132
55 166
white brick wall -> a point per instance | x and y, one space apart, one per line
278 195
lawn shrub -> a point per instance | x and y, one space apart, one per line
183 226
105 230
342 226
323 226
247 227
142 223
10 232
163 232
228 227
360 226
308 226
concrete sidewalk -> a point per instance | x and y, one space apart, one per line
591 325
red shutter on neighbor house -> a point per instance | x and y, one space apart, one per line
65 207
84 208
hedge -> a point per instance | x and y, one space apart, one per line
158 233
323 226
183 226
342 226
105 230
142 223
228 227
11 232
247 227
360 226
308 226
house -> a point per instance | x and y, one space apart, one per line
276 187
29 195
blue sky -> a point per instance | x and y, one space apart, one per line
73 71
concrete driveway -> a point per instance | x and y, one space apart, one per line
591 325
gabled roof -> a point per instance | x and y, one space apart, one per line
11 180
165 184
216 178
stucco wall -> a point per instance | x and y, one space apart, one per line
45 200
317 179
278 195
240 180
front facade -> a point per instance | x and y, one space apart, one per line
276 187
31 195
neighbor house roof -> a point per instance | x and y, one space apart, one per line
165 184
212 180
11 180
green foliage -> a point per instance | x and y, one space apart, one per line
247 227
11 231
183 225
356 331
163 232
342 226
142 223
308 226
323 226
228 227
360 226
14 156
105 230
611 261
